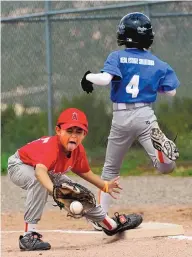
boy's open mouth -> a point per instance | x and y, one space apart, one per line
72 142
71 145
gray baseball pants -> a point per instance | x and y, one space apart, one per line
130 125
23 176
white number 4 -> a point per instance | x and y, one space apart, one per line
133 86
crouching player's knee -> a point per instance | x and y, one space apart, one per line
165 168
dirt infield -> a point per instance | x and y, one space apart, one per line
161 199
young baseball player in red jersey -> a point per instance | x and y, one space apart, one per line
43 163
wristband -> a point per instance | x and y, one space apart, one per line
106 187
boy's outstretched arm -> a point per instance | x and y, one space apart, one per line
42 175
100 79
112 187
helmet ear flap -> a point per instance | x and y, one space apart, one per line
147 40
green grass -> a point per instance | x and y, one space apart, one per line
130 166
136 163
182 172
4 159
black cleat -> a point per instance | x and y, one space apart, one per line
135 219
124 222
33 242
162 143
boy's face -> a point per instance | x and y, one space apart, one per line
70 138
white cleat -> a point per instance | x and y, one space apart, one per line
162 143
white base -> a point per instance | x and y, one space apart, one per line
152 229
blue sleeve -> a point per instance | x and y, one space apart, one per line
111 65
169 81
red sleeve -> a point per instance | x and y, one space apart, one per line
48 158
41 151
82 164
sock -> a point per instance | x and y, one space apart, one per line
108 223
161 157
30 228
104 200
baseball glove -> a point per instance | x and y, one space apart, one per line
68 192
86 85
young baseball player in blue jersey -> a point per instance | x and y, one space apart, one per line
136 76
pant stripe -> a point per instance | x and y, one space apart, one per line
160 156
26 227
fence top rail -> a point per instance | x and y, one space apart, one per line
69 11
95 17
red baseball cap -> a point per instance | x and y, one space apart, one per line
73 117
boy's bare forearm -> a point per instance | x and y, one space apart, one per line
93 179
43 177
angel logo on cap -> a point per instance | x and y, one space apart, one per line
74 116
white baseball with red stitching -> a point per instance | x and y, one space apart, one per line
76 207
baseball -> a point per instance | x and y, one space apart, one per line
76 207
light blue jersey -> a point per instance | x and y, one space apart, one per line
140 76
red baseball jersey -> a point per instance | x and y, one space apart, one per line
48 151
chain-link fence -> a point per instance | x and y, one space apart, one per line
82 35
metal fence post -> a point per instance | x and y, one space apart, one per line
48 40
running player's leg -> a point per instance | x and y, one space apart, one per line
144 123
162 144
119 141
162 164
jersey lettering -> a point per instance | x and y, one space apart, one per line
137 61
44 140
